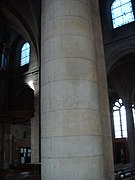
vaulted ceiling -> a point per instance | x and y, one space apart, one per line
23 17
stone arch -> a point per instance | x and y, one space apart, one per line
118 54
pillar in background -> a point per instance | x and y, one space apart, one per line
1 144
130 131
7 153
75 124
35 127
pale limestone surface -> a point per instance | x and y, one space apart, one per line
74 93
71 123
73 168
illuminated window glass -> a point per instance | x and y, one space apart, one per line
133 110
25 54
119 117
122 13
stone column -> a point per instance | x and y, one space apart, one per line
111 118
7 153
130 131
71 121
1 144
104 112
35 127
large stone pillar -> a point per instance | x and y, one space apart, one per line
130 131
72 140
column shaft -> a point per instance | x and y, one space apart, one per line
7 145
1 144
130 131
35 158
71 126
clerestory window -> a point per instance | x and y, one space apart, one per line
122 13
25 54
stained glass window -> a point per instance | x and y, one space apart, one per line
122 12
25 54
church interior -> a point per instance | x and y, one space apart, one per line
67 89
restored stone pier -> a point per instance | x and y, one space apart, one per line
75 124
